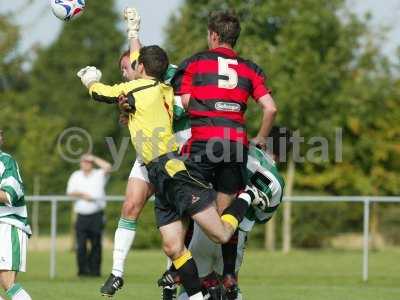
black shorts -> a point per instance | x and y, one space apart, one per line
222 162
180 189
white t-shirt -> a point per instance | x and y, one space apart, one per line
92 184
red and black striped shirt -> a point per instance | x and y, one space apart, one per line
220 84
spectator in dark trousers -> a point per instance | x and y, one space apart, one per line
87 185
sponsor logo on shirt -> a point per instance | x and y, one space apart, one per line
227 106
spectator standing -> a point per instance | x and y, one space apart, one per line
87 185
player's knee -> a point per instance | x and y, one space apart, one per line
172 249
223 239
130 209
219 238
7 279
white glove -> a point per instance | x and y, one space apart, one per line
89 75
132 20
258 198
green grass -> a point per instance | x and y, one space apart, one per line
300 275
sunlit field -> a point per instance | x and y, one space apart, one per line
300 275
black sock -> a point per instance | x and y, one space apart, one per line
229 254
172 268
239 207
189 277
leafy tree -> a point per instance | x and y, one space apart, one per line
11 75
93 39
28 132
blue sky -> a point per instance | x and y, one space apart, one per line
40 26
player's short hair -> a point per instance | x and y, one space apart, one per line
155 61
226 24
124 54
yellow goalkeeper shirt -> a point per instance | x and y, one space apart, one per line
150 125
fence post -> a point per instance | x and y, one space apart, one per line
53 243
287 208
269 235
366 239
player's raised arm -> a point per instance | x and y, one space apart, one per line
101 163
132 21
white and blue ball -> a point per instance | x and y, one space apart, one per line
67 10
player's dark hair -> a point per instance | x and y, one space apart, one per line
226 24
155 61
125 54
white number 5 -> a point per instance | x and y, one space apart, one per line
225 70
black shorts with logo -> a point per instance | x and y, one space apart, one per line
222 162
180 188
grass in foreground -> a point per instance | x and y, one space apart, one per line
327 275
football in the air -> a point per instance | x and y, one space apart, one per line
67 10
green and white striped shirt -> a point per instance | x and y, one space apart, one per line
14 212
263 174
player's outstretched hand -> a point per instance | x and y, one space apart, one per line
132 20
89 75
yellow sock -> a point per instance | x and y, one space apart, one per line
231 220
179 262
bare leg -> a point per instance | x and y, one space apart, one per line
220 229
137 193
7 279
212 225
223 201
13 290
173 237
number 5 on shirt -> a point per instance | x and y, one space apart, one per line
224 69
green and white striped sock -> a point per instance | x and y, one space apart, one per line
123 240
16 292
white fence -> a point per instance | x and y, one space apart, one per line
314 199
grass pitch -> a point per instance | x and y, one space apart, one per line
301 275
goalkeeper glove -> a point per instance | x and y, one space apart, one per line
260 200
89 75
132 20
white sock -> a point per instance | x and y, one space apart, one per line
198 296
169 263
16 292
123 240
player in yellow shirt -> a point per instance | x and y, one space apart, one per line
181 190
